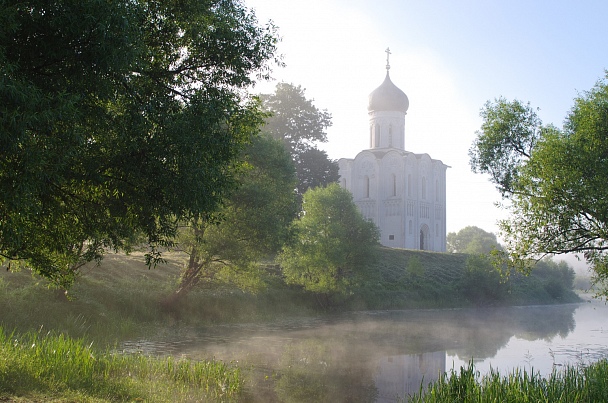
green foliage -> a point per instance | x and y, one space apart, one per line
333 243
554 179
415 268
300 125
482 283
508 134
572 384
119 118
53 364
400 279
252 224
472 240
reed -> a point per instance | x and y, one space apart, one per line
37 364
571 384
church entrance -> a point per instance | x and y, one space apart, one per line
424 237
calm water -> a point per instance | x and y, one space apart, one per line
379 356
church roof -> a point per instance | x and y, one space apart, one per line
388 97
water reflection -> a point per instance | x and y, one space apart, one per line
402 375
368 356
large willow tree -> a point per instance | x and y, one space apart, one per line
118 118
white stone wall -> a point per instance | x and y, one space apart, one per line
402 193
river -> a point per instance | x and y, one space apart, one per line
383 355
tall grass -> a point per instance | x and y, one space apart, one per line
571 384
35 364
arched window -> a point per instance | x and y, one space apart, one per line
394 183
423 188
366 184
390 135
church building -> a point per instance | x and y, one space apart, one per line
403 193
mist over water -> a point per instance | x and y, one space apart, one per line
381 355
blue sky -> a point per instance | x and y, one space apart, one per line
449 57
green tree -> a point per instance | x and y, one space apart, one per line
472 240
118 118
300 126
332 244
556 186
481 282
508 134
252 224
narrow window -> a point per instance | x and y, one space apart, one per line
367 186
394 177
377 136
437 190
423 188
371 136
390 136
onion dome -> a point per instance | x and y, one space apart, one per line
388 97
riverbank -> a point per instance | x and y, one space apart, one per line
121 299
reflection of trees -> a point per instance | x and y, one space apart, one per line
546 322
337 358
485 331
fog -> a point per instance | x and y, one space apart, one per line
371 356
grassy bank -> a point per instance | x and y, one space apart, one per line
51 332
38 366
122 298
415 279
574 384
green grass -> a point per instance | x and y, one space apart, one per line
403 278
46 366
570 385
122 299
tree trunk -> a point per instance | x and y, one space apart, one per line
189 278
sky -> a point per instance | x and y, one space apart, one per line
449 57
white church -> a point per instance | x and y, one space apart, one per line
403 193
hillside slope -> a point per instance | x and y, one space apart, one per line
122 297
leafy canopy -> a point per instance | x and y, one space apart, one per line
253 222
472 240
333 243
119 117
299 125
557 190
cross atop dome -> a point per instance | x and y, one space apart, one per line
388 53
388 97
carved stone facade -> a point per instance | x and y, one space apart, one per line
402 192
